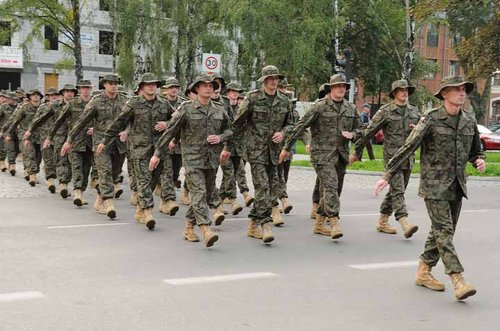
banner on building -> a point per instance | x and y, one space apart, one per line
11 57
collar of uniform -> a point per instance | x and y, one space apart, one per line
200 107
443 115
263 95
143 100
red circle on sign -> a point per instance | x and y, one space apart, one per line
211 62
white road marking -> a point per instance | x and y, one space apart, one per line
84 225
386 265
219 279
19 296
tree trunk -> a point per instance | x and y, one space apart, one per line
479 102
77 50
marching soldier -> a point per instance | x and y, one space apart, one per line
203 126
397 119
102 111
6 111
449 138
264 117
334 122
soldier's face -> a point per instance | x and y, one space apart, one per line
282 89
171 92
401 95
68 95
454 95
53 97
35 98
232 95
216 94
149 89
85 92
271 83
111 87
337 92
12 102
205 90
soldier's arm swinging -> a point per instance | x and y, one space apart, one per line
40 118
377 123
173 129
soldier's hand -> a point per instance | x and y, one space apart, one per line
347 135
213 139
277 137
90 131
46 143
26 135
353 158
480 165
284 155
27 143
171 146
224 156
308 149
66 148
100 148
161 126
123 136
7 138
381 184
153 163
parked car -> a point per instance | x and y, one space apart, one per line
379 137
490 140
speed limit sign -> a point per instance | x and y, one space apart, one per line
211 63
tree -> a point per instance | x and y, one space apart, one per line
63 17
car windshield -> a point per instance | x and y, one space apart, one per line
483 129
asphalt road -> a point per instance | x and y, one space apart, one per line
64 268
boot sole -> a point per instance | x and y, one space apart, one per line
4 169
267 240
64 194
279 224
212 240
12 172
440 289
174 211
337 236
191 240
412 231
32 183
249 202
255 237
321 233
111 214
78 202
237 211
52 189
150 224
382 231
219 220
466 295
118 193
288 209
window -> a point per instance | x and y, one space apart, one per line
431 75
432 35
496 79
50 38
455 39
104 5
454 68
106 42
5 33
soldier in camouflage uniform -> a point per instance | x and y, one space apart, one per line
3 151
81 155
134 195
57 137
448 138
102 110
264 117
203 126
396 119
147 116
334 123
6 111
32 153
41 131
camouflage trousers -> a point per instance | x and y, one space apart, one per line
283 169
11 149
444 217
146 181
315 195
81 163
109 166
233 173
131 175
266 185
34 157
3 150
176 165
201 184
49 162
395 199
331 180
63 165
167 178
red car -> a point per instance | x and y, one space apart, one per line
489 140
379 137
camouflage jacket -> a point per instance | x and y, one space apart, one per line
444 153
174 105
69 116
195 122
21 120
102 111
327 124
141 116
58 133
396 124
40 125
6 112
257 120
